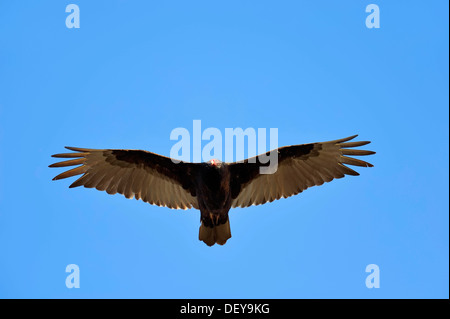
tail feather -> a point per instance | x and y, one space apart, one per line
217 234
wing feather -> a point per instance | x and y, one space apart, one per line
299 167
143 175
72 172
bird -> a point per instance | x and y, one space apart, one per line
213 187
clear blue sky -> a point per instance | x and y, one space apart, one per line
135 70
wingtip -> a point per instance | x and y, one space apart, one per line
342 140
75 149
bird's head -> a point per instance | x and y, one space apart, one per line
215 163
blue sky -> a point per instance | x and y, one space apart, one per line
136 70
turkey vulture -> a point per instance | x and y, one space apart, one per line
212 187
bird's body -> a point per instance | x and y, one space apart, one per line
214 201
212 187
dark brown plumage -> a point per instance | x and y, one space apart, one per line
212 187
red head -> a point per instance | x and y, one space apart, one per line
215 162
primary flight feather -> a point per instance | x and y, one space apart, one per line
212 187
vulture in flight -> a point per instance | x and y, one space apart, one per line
212 187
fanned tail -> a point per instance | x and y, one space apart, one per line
217 234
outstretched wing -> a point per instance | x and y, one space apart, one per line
144 175
299 167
